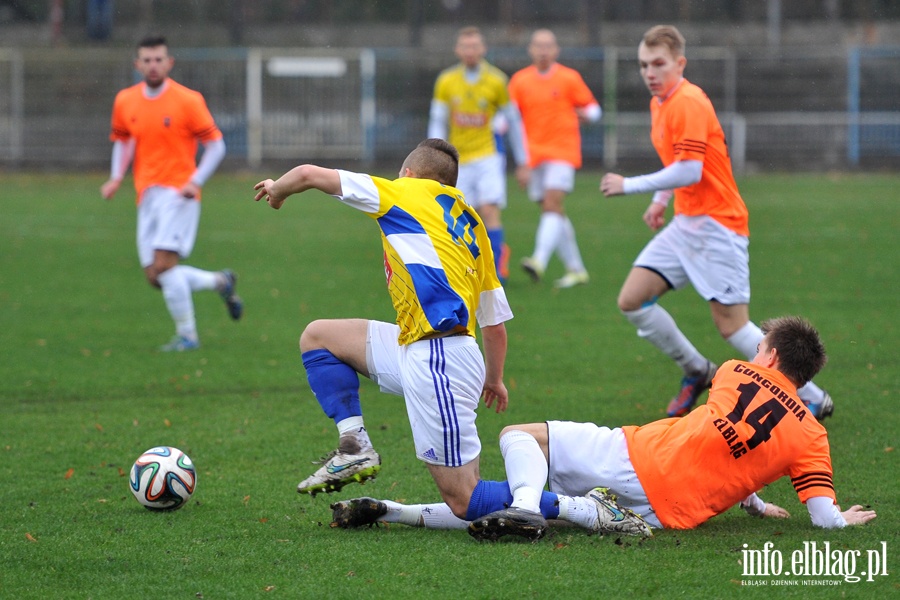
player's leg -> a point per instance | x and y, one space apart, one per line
333 353
489 199
559 181
548 226
669 261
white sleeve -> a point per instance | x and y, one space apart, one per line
437 120
493 308
122 153
593 112
213 153
359 191
825 513
753 505
679 174
516 133
663 197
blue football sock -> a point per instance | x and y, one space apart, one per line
496 237
489 496
335 384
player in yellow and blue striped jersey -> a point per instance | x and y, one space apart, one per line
442 281
467 98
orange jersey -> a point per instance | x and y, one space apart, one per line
166 129
547 102
753 430
685 127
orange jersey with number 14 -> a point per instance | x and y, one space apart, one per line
752 431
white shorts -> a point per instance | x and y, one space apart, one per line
483 181
441 381
166 221
702 251
584 456
550 175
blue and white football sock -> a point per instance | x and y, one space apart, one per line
526 469
496 237
335 385
177 295
430 516
658 327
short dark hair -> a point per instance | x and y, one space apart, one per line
152 41
801 353
435 159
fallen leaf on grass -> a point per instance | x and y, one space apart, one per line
30 537
69 474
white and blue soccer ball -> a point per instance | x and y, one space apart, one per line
163 478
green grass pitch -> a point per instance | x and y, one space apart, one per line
83 392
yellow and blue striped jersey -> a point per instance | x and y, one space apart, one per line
472 107
437 256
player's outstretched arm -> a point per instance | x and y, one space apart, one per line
857 515
298 180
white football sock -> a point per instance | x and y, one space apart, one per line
811 393
526 469
578 510
177 294
201 280
354 426
658 327
430 516
549 233
568 248
746 339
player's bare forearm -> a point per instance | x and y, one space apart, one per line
494 341
108 190
296 181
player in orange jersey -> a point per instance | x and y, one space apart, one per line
553 100
706 244
679 472
158 123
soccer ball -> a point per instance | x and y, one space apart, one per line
163 478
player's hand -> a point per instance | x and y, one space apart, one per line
523 176
856 515
190 190
654 215
612 184
775 512
109 189
495 393
265 189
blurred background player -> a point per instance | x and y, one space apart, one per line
673 473
442 283
467 98
158 123
553 100
706 244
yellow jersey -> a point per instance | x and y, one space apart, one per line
472 106
437 256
